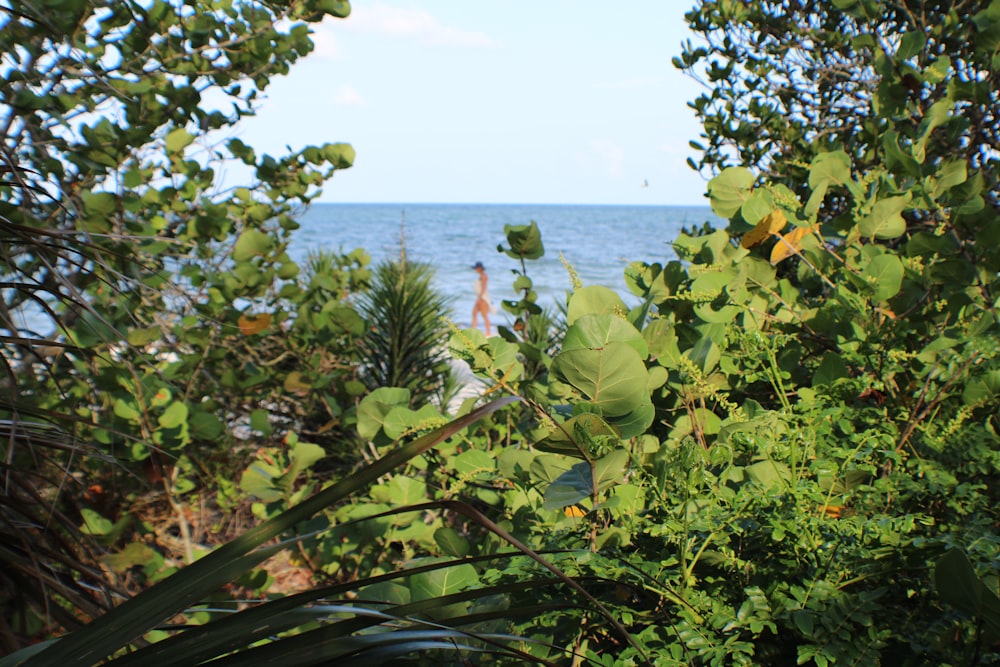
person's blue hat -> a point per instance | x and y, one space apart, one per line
478 265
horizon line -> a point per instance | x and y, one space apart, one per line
474 203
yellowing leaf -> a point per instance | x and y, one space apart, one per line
253 324
295 383
789 244
772 223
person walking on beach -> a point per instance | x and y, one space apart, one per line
483 306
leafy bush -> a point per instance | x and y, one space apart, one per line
143 307
787 452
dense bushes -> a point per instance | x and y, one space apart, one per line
785 453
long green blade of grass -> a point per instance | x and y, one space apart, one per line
122 625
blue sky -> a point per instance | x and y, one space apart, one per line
551 101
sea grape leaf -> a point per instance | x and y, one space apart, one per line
404 490
709 288
705 354
547 468
251 243
177 140
885 221
728 191
391 592
451 543
958 585
758 206
595 331
911 44
827 169
949 174
99 204
610 470
401 420
205 425
303 456
126 409
938 70
831 168
885 273
250 323
296 383
560 440
768 473
175 415
635 422
569 488
261 479
938 114
897 159
437 583
339 8
260 420
375 406
982 389
578 483
135 554
702 419
612 378
341 156
594 300
772 223
525 241
789 244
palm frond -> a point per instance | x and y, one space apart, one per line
126 623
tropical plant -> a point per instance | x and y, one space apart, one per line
787 80
136 290
796 428
407 318
786 453
326 624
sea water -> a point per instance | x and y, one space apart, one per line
597 241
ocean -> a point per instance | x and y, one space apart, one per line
597 241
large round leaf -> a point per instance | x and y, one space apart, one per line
594 300
613 378
885 220
525 241
729 190
885 274
251 243
596 331
375 407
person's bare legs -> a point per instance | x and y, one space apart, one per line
481 308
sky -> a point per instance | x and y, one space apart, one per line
524 101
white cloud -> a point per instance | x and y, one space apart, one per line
611 155
348 96
415 24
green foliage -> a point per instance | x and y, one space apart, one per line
323 632
151 321
406 332
794 434
892 87
786 453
